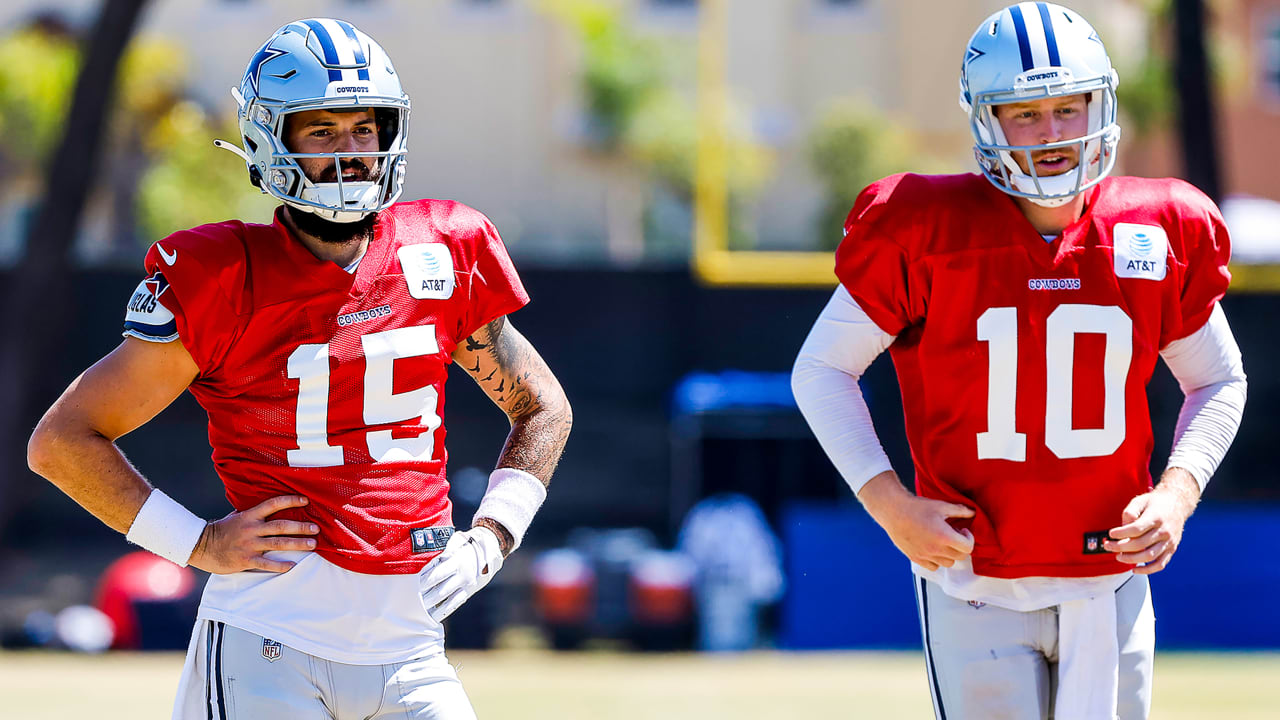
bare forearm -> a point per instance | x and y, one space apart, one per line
537 440
91 470
1181 484
883 496
534 446
516 379
919 527
74 444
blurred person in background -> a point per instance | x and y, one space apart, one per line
319 345
739 569
1025 308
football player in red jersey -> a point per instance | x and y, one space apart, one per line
319 345
1025 308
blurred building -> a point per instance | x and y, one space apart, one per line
499 119
1250 125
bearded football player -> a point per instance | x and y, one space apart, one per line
1025 307
319 346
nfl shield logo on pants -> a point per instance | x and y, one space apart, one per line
270 650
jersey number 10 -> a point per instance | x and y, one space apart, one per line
309 365
999 327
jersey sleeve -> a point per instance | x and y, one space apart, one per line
146 317
185 297
493 286
873 265
1206 245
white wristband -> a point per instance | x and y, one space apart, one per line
166 528
511 500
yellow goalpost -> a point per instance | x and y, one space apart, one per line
713 262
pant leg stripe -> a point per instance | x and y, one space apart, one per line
208 670
928 652
222 705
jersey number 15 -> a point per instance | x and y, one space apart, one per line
309 365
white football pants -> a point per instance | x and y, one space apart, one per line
233 674
985 662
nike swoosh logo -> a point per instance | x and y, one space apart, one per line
169 258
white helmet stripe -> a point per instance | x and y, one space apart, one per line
1035 34
342 45
1050 36
326 44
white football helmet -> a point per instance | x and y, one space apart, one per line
321 64
1029 51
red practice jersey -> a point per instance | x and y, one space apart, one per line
1022 363
328 384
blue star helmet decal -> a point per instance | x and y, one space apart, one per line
255 65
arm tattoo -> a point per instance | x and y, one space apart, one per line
524 387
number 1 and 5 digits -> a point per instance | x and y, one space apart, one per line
998 326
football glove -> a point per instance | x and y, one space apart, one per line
469 561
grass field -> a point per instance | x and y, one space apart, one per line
533 685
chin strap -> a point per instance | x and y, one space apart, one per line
1027 184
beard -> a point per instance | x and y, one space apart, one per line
328 231
337 233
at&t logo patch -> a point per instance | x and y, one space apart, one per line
428 270
1141 251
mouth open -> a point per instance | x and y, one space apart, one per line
356 171
1054 163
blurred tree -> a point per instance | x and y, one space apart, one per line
190 182
620 71
662 139
645 131
165 173
1187 63
152 80
160 170
850 147
1146 94
33 95
24 389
